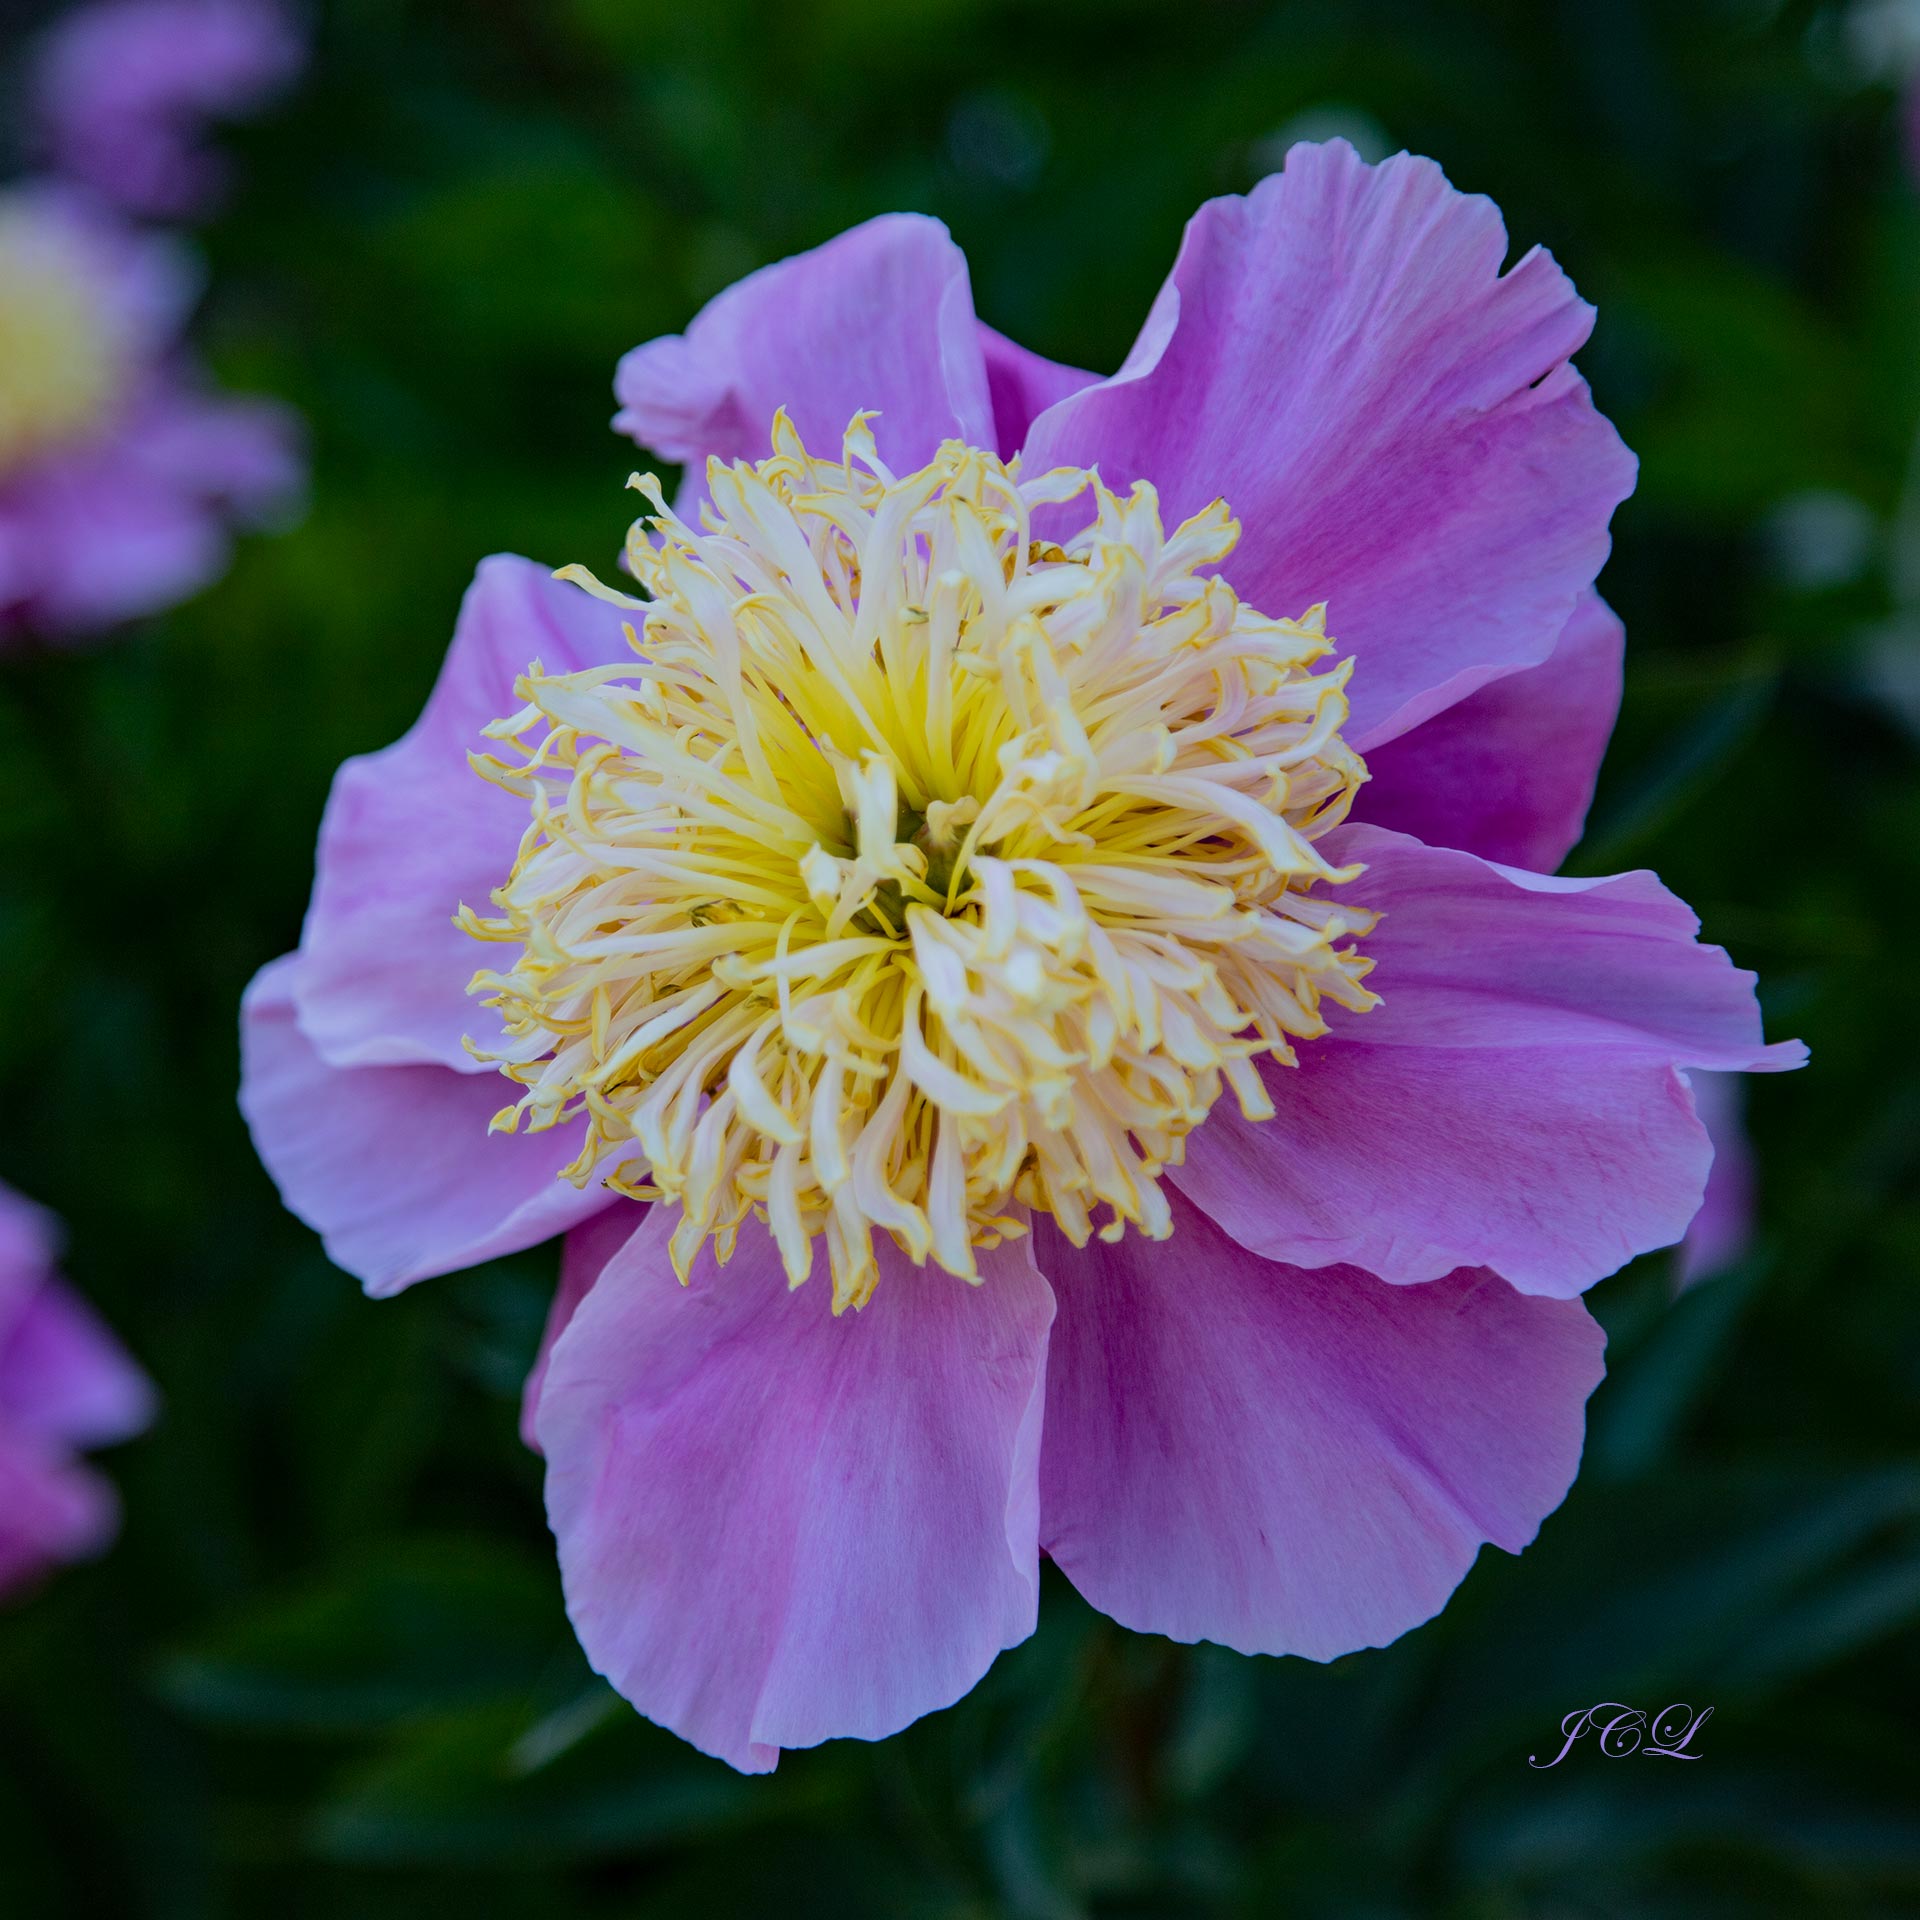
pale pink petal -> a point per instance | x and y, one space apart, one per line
1393 421
393 1166
880 317
1023 385
412 831
1515 1103
1509 772
777 1527
1288 1461
583 1254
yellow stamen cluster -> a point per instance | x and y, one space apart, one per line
918 869
59 358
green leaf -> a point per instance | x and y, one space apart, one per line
424 1626
484 1787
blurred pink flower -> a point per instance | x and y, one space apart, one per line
1282 1399
123 90
121 470
65 1385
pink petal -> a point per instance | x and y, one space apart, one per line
1471 954
776 1527
145 282
135 520
1553 1170
879 317
64 1383
1288 1461
244 453
1515 1102
1509 772
393 1166
64 1377
1023 385
585 1251
52 1509
132 518
412 831
122 89
90 540
1392 420
1723 1228
29 1245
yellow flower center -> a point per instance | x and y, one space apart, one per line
60 361
917 869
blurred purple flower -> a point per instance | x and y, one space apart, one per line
1723 1228
120 469
65 1384
122 92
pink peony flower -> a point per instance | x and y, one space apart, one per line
968 871
123 89
65 1384
120 471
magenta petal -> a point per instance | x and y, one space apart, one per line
777 1527
1023 385
1509 772
393 1166
1515 1103
1288 1461
586 1251
880 317
1392 420
412 831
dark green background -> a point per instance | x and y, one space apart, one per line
325 1671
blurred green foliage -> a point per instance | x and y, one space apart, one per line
325 1672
